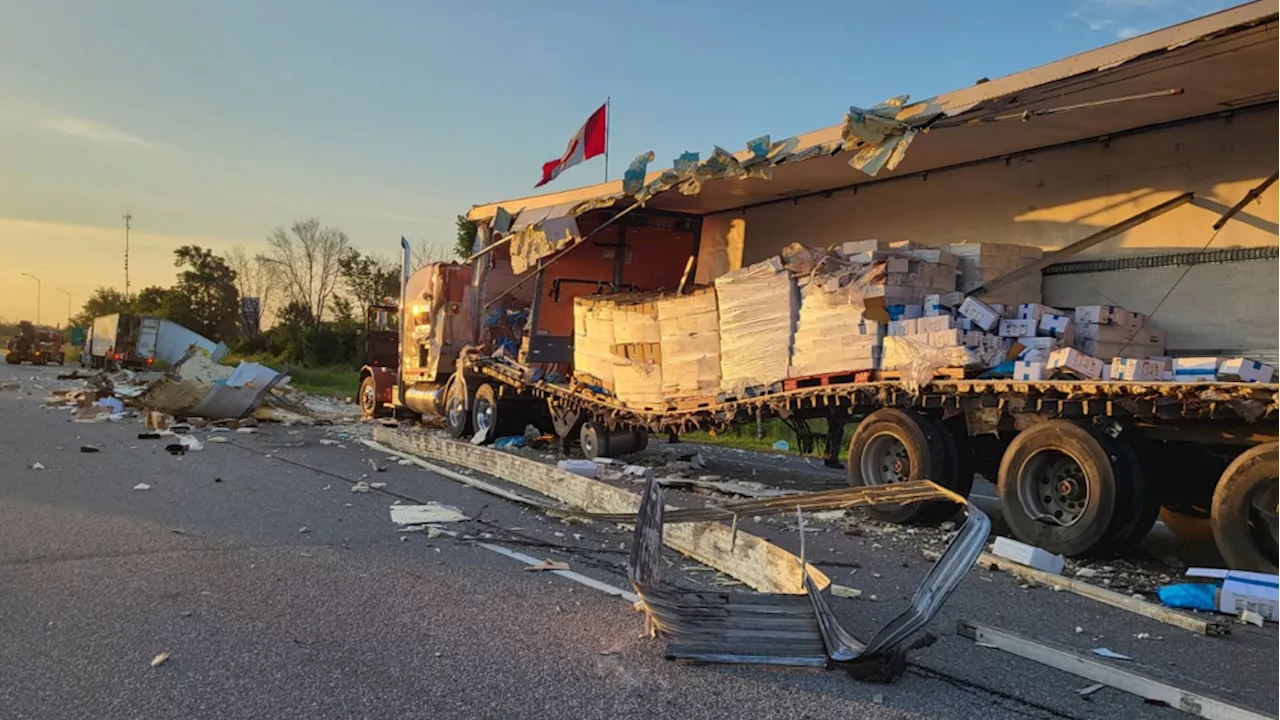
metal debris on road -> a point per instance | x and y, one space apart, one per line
376 467
1091 689
142 486
774 629
1110 654
432 512
1108 674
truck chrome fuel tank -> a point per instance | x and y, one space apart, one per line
425 398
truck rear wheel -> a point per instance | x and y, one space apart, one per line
891 446
1058 488
492 416
1245 510
594 439
457 415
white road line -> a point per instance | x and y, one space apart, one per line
603 587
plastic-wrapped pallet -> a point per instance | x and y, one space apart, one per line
831 333
593 358
981 263
689 327
637 374
757 314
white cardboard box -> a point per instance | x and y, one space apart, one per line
1241 590
1245 370
901 328
1055 326
1017 328
1038 343
944 338
1084 366
982 314
1030 370
908 311
937 323
932 305
1033 311
1029 555
1195 369
1136 369
1119 333
1099 315
854 247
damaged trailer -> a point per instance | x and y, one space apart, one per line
607 313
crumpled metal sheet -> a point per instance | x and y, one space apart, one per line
633 178
878 136
199 387
785 630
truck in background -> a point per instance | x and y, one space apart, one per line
138 342
38 346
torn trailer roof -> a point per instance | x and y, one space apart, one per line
1219 63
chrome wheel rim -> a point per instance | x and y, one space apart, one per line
1053 488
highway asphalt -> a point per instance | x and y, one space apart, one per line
278 592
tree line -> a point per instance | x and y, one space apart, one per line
308 279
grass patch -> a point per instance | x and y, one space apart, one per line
744 437
326 381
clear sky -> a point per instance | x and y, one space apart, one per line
212 122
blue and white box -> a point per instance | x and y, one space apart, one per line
1031 371
1195 369
932 305
1136 369
1245 370
1055 326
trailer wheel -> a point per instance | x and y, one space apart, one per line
594 439
642 439
457 418
1057 488
1137 502
1245 510
891 446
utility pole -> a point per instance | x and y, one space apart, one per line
127 218
33 277
64 292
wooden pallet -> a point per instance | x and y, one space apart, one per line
947 373
836 378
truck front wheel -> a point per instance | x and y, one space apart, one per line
368 397
457 414
1058 488
1245 510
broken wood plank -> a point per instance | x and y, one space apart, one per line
1106 673
1107 597
758 563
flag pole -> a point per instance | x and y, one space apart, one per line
608 112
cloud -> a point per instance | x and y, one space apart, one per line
1125 33
97 132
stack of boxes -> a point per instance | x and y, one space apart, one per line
832 333
593 358
758 306
689 331
637 372
980 263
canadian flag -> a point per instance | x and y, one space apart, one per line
588 142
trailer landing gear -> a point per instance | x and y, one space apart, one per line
1245 510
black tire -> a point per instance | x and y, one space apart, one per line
1137 502
642 439
594 439
490 412
368 397
1072 468
1244 510
890 445
956 474
457 407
